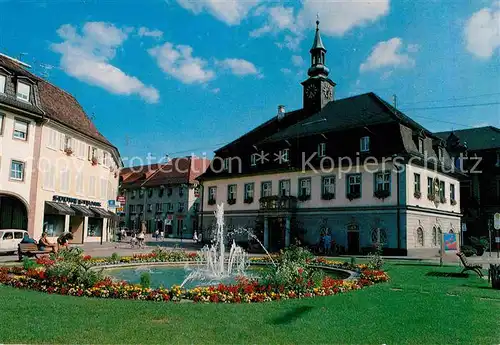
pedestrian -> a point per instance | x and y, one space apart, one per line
327 243
140 238
157 234
195 237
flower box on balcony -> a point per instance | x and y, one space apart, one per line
231 201
442 200
211 201
382 194
453 202
304 197
417 195
248 200
352 196
328 196
68 151
431 197
94 161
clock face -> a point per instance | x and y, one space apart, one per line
327 91
311 91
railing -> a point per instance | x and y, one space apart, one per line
276 202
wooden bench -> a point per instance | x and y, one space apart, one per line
31 249
468 266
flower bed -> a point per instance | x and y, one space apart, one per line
43 276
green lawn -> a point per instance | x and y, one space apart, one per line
418 306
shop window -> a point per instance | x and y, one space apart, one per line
94 227
53 225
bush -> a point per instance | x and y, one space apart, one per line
29 263
145 280
468 250
115 257
375 260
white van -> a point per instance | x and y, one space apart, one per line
9 240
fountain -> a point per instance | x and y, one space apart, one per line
213 265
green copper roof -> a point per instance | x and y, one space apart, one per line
318 43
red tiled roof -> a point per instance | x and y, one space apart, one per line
176 171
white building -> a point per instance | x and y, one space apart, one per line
61 171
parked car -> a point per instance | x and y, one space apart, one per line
10 239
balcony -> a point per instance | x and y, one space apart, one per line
278 203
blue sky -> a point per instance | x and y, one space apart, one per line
188 76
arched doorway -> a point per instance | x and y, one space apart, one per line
13 213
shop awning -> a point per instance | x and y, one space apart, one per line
102 213
52 207
83 211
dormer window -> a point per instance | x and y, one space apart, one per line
253 159
23 91
364 144
284 154
3 79
321 150
421 145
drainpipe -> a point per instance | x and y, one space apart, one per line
398 214
202 187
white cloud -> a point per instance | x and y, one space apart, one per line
180 63
291 42
86 57
215 90
231 12
286 70
387 54
145 32
239 67
298 61
482 31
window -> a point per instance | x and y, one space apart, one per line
49 176
416 183
442 190
79 183
52 142
321 150
68 142
23 92
2 83
181 207
430 186
354 185
141 193
181 191
305 187
452 191
284 155
497 163
131 208
18 235
364 144
266 189
212 193
64 183
140 208
379 236
253 159
105 159
17 170
249 188
150 207
92 153
328 186
226 163
170 207
383 181
2 116
169 191
92 186
420 237
231 192
284 188
20 129
81 149
104 187
421 145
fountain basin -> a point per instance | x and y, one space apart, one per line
167 275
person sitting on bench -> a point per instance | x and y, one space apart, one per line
44 243
27 239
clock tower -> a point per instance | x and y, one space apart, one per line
318 88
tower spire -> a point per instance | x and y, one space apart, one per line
318 52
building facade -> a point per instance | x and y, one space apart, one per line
477 151
164 196
355 167
60 168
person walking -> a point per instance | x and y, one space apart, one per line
327 243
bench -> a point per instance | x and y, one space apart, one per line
468 266
31 249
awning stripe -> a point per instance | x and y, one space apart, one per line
59 208
102 213
83 211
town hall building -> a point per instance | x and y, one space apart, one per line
355 167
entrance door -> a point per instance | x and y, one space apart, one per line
352 242
76 225
276 233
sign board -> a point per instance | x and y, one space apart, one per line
464 227
111 203
496 221
170 217
121 199
450 242
119 209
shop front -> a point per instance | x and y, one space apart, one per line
77 222
102 225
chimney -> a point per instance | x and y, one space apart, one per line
281 112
